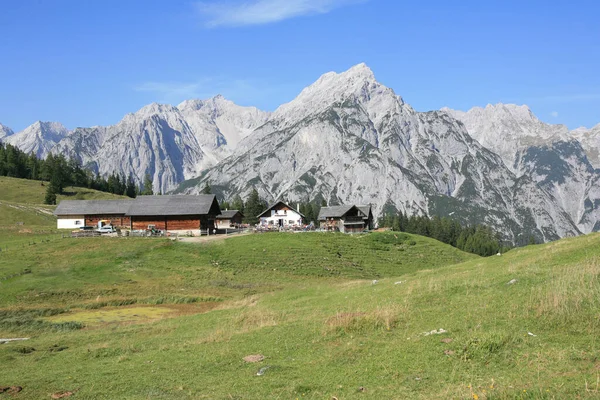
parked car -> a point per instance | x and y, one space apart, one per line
106 229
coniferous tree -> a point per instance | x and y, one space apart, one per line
224 205
254 206
147 185
130 189
316 210
206 189
50 196
237 203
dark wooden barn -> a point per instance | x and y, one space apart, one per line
168 213
174 212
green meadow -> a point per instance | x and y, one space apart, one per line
381 315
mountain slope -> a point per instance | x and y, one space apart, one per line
350 139
38 138
507 128
5 131
548 154
590 141
169 143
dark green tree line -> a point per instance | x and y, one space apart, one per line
60 172
478 239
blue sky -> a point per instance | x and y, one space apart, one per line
87 63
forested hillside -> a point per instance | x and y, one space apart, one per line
60 172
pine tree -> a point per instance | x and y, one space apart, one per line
130 190
224 205
207 189
57 182
50 196
237 203
254 206
316 210
147 185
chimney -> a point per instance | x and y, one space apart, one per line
298 207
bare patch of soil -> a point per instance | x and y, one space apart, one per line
253 358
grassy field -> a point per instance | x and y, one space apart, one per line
14 190
24 217
335 316
151 318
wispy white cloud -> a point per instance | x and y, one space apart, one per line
241 91
258 12
554 114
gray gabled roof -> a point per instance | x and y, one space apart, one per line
174 205
228 214
82 207
334 211
365 210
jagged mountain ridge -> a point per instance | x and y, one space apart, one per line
169 143
352 140
38 138
590 141
551 155
5 131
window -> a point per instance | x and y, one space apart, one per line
77 222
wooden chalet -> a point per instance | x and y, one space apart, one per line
229 219
169 213
281 215
368 218
346 219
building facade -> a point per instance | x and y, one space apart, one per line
282 216
178 213
345 219
229 219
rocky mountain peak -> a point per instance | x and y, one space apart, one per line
39 137
582 131
521 112
5 131
46 130
348 139
357 86
197 104
507 128
153 109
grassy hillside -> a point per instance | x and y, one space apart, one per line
22 209
77 271
15 190
12 214
174 320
